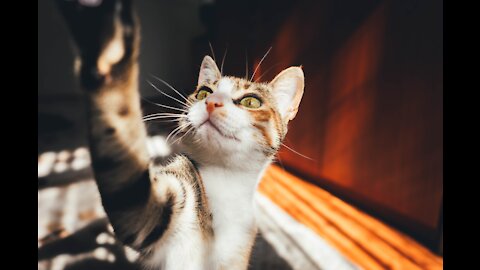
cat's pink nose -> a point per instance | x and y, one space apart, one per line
212 103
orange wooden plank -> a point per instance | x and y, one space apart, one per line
359 234
307 216
363 239
401 242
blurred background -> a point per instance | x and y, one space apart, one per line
362 181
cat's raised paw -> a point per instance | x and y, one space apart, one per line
105 34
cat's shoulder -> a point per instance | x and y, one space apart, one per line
178 165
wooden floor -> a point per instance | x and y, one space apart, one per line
364 240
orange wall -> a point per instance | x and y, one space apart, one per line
371 117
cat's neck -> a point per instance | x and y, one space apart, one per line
230 195
244 179
230 177
231 192
248 162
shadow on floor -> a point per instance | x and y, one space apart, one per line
62 126
86 253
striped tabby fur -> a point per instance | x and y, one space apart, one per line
196 211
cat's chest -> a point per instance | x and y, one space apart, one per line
230 196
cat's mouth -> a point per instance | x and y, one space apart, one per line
210 124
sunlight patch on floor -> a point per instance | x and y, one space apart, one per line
296 243
64 161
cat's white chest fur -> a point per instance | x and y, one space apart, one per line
230 197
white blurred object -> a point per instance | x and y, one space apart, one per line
63 155
60 167
105 238
81 152
157 146
131 254
45 163
90 3
79 159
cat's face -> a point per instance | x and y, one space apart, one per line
233 117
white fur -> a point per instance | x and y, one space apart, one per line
225 85
208 146
230 197
183 246
230 168
230 194
231 161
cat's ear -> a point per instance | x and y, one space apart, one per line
287 89
208 71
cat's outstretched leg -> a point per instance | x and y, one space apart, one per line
141 201
106 37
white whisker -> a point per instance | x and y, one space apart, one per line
166 113
181 102
211 49
298 152
156 116
162 117
246 65
223 60
177 129
261 60
172 134
171 87
266 72
180 138
169 107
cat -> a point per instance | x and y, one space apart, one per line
195 211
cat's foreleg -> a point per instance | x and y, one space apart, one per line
106 34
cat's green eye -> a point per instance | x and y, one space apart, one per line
202 94
251 102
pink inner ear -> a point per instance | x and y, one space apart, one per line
296 99
288 88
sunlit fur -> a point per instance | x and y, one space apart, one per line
195 211
232 145
234 136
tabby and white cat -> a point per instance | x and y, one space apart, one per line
196 211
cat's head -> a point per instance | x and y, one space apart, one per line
233 118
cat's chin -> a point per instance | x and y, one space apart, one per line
211 129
